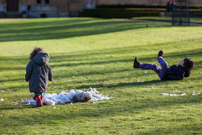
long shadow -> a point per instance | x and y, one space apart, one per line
64 57
193 53
86 84
119 85
122 50
66 29
194 128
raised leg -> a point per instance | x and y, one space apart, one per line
164 65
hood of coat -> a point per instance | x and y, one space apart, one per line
41 58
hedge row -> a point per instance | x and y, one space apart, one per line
116 13
131 6
140 6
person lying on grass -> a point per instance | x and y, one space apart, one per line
168 73
38 72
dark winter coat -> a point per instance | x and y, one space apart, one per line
38 72
168 6
176 73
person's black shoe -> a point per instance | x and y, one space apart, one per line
136 63
160 53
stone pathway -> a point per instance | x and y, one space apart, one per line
158 21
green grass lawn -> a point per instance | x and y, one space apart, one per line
192 20
99 53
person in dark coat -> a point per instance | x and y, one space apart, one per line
168 6
172 6
168 73
38 72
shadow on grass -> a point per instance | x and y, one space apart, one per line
82 57
62 57
189 128
107 110
60 29
86 61
118 85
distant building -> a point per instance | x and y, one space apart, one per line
41 8
66 8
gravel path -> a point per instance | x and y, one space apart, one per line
168 22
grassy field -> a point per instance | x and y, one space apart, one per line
99 53
192 20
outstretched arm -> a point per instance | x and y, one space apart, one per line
175 77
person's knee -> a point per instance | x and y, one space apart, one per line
164 64
155 66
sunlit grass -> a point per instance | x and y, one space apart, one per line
99 53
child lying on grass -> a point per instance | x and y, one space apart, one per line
168 73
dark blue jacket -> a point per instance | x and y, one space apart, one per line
176 73
38 72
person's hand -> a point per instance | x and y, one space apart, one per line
52 81
160 53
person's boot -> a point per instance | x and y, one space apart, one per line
38 101
136 63
42 98
160 53
42 101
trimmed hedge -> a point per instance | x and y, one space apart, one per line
140 6
131 6
125 11
116 13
